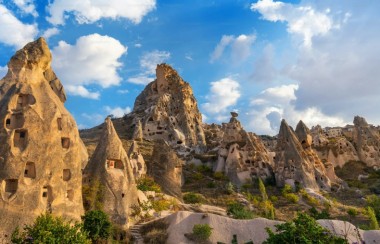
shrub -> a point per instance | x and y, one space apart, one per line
203 168
229 188
273 199
219 176
352 212
155 232
239 211
191 197
268 209
303 229
324 214
211 184
287 189
49 229
97 224
263 192
148 184
201 232
373 201
309 199
291 197
93 195
161 204
374 225
197 176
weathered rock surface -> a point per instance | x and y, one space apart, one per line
109 173
297 163
241 155
167 110
224 228
41 153
366 140
137 161
166 169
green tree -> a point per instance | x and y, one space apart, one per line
97 224
303 229
263 191
374 225
49 229
202 232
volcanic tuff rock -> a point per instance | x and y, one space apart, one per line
166 168
137 161
241 155
296 163
167 110
366 140
109 173
41 153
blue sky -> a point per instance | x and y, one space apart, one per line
311 60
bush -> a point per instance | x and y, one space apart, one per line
148 184
312 201
97 224
373 201
192 198
239 211
291 197
352 212
201 232
219 176
324 214
161 204
155 232
205 169
287 189
374 225
93 195
268 209
49 229
303 229
263 191
229 188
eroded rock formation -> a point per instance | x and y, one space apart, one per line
296 163
167 110
241 155
166 168
41 153
366 140
110 175
137 161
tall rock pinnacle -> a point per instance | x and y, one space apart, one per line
109 173
41 153
168 110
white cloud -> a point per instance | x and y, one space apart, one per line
148 64
223 94
13 31
3 71
90 11
118 111
122 91
94 119
82 91
240 47
92 60
276 103
301 20
50 32
138 45
26 6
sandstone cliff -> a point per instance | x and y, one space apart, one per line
110 175
167 110
41 153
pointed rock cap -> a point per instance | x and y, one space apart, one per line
303 134
33 55
234 114
360 121
134 148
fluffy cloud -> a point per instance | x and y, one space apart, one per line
26 6
90 11
92 60
301 20
118 111
50 32
239 47
13 31
276 103
223 94
148 64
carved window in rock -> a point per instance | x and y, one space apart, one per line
15 121
66 174
114 164
24 100
20 138
65 141
59 123
11 186
30 170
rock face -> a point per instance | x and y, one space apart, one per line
110 174
166 169
168 110
137 161
366 140
241 155
41 153
296 163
